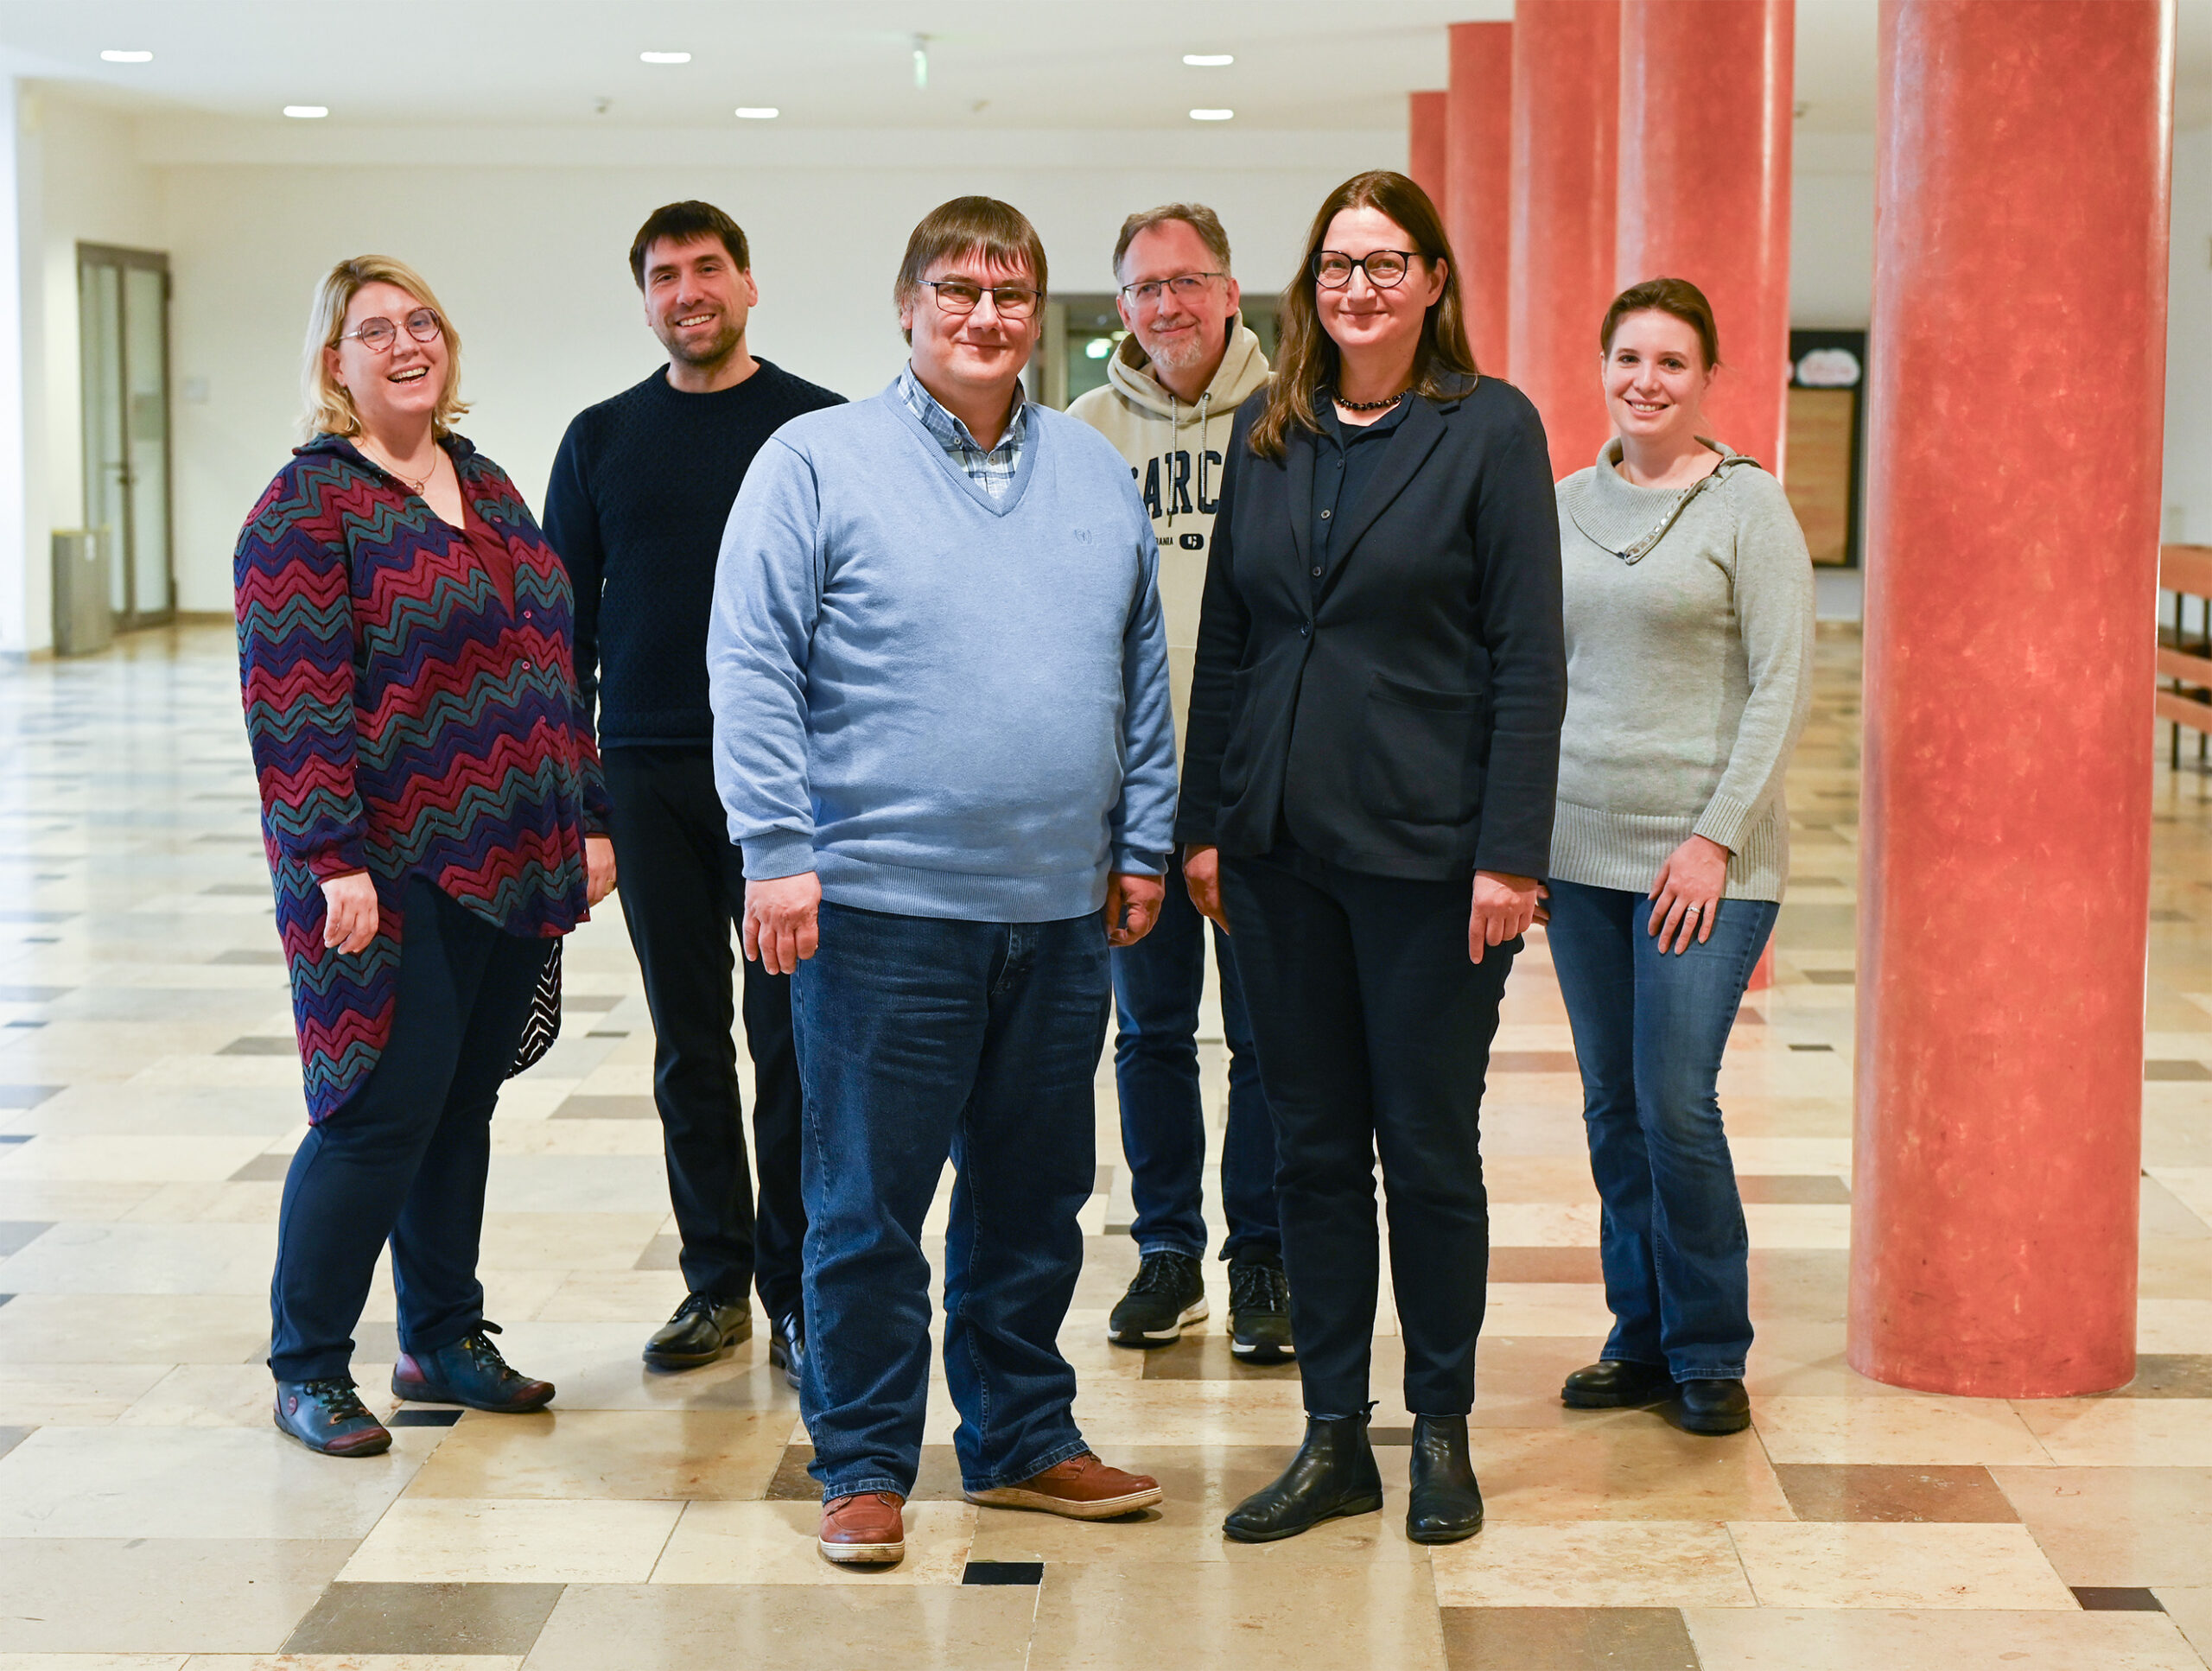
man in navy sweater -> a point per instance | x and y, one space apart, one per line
641 487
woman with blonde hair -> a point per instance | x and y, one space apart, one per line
1374 738
434 817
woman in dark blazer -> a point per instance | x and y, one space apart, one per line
1367 805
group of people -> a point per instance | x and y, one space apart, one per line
897 689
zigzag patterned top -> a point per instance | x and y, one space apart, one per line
411 699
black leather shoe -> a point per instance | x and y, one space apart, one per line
328 1416
705 1327
1332 1474
1715 1406
1615 1386
1447 1505
787 1345
469 1372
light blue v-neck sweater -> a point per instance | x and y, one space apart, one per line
946 705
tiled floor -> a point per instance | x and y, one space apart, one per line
150 1518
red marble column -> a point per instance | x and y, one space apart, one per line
1427 156
1705 189
1479 138
1566 106
2017 375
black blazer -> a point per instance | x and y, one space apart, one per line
1407 724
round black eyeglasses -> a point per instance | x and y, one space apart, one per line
1385 268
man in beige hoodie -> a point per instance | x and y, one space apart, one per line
1173 390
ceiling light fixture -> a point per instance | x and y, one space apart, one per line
663 57
758 112
1209 60
113 56
1211 115
307 112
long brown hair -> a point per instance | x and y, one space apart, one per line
1305 356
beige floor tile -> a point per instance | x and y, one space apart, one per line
2120 1527
587 1241
1919 1429
2147 1432
775 1543
511 1135
593 1454
1547 1309
1593 1564
62 1156
1106 1618
596 1367
1897 1564
2189 1606
34 1394
513 1540
1543 1224
1770 1639
2173 1325
351 1662
1773 1225
143 1259
639 1298
97 1204
915 1627
130 1328
92 1661
235 1396
1124 1412
158 1596
1627 1465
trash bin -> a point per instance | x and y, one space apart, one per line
84 621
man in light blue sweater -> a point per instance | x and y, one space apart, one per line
943 739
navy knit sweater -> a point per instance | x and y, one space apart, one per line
641 487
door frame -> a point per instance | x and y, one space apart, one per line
120 256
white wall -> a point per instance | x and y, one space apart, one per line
1832 232
2189 352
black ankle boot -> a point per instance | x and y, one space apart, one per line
1332 1474
1447 1505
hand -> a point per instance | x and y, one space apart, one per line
349 911
1504 907
1687 893
783 921
599 868
1132 906
1202 878
1544 903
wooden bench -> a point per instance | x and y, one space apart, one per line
2184 694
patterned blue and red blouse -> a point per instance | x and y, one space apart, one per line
411 702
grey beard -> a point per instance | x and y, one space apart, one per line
1180 358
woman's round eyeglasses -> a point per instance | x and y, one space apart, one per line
957 296
378 334
1385 268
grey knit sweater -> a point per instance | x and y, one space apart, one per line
1689 645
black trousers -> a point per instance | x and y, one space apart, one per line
1374 1030
683 890
405 1158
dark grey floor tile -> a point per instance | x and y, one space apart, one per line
607 1108
2107 1599
252 1045
597 1002
1831 977
1545 1264
33 995
425 1618
662 1252
1003 1572
1865 1490
938 1480
237 890
1566 1639
11 1437
2171 1071
254 956
2170 1374
264 1169
26 1097
1812 1189
17 1234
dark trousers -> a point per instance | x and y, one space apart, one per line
922 1038
1157 985
1375 1031
405 1158
682 889
1649 1027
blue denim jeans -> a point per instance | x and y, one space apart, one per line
1157 985
1649 1030
920 1039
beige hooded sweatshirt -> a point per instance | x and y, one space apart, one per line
1175 451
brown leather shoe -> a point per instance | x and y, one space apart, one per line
865 1530
1081 1488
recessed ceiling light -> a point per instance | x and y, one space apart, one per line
1209 60
307 112
663 57
758 112
1211 115
112 56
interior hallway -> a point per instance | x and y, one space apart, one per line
150 1518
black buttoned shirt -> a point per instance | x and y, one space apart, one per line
1345 462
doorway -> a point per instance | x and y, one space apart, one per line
123 314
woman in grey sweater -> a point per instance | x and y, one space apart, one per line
1689 629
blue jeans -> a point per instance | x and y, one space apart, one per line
1649 1030
1157 984
921 1039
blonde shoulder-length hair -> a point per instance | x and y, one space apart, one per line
329 408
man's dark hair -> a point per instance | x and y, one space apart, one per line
683 222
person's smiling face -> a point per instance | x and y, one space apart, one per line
1175 333
982 351
401 384
697 299
1655 377
1364 316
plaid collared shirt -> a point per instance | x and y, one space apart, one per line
993 471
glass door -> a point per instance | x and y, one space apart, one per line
122 320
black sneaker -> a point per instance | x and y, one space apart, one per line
1259 1309
1169 1290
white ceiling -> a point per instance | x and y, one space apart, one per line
1032 64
